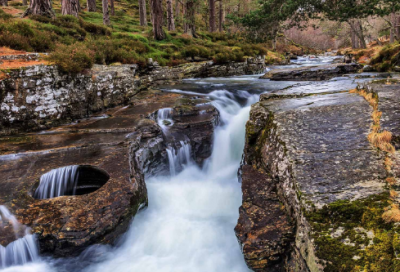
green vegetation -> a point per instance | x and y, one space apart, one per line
360 252
76 44
387 58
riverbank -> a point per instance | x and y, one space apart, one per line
40 96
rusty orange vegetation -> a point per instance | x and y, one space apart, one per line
12 64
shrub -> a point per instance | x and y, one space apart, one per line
252 50
14 41
221 58
5 16
192 51
95 29
72 58
41 19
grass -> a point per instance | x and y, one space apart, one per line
125 41
383 141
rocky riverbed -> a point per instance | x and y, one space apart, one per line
314 186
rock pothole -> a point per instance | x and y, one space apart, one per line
69 181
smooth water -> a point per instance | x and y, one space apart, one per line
179 158
58 182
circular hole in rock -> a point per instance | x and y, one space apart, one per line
70 180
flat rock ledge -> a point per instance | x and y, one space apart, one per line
313 73
314 188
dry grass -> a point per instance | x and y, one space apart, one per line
391 181
376 116
392 214
382 140
388 163
393 194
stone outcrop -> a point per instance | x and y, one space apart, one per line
307 156
322 72
196 119
39 96
123 144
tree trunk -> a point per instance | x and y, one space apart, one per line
112 9
354 41
156 6
40 7
360 35
398 27
170 16
177 11
393 22
25 2
106 15
4 3
190 18
91 4
221 15
70 7
142 12
151 12
211 4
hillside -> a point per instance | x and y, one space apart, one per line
77 43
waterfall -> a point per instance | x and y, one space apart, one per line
22 250
180 158
164 118
58 182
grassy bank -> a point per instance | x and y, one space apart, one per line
77 43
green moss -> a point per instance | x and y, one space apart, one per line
366 214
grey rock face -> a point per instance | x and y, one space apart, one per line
315 151
39 97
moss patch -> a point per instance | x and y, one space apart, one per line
351 249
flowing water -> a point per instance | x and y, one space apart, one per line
189 224
24 249
58 182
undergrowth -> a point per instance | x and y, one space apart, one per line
75 44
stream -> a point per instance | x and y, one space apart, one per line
189 224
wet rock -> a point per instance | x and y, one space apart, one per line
263 229
314 149
368 68
323 72
124 145
147 150
197 119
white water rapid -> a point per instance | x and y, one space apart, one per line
58 182
179 158
164 118
189 224
21 251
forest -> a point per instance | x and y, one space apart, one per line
173 32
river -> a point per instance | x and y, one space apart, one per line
189 224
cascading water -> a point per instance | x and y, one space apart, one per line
58 182
180 158
189 224
21 251
164 118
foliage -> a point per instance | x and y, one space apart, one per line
273 16
72 58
